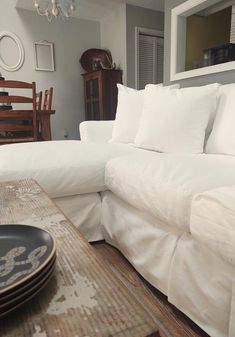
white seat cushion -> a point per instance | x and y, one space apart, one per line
164 184
62 168
213 221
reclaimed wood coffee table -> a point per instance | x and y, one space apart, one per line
84 298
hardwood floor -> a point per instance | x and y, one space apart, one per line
155 302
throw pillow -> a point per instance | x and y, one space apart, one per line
222 137
129 112
175 120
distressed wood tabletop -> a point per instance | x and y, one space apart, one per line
84 298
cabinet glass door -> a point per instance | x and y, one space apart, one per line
92 100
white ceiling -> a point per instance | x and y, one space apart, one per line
97 9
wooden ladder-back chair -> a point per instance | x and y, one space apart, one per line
47 103
39 100
17 126
39 107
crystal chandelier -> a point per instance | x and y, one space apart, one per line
55 8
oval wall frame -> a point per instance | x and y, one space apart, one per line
20 47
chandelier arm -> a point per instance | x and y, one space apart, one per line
39 10
55 9
67 13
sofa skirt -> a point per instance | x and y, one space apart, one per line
84 211
196 281
208 292
232 314
147 246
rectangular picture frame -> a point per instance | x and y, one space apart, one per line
47 63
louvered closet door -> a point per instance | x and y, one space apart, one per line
232 32
150 65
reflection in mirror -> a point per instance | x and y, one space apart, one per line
210 36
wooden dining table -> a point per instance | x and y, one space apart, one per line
44 117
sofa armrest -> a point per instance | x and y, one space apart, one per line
96 131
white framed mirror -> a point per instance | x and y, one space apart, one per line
202 38
15 51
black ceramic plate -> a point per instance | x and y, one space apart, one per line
24 287
5 107
21 297
29 295
24 251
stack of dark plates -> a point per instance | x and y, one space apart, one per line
27 263
6 106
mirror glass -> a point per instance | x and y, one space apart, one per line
210 36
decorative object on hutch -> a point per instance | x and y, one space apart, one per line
55 8
95 59
101 93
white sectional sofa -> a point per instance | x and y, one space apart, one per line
71 172
168 216
171 214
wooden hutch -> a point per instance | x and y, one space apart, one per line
101 93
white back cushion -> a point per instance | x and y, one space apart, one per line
222 137
175 120
129 110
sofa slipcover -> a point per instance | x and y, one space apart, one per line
141 238
62 168
96 131
213 221
164 184
201 286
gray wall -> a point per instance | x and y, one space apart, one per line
139 17
223 77
70 39
113 36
